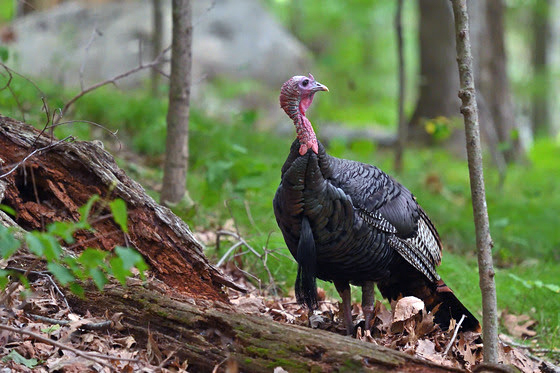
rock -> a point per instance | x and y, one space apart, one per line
232 38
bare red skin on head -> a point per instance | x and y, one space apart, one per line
289 96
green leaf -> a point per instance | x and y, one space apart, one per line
75 267
51 247
129 256
118 270
64 230
118 209
86 209
61 273
51 329
34 243
92 258
8 210
4 278
98 277
18 359
8 243
77 289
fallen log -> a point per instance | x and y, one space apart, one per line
207 334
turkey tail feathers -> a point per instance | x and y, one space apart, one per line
451 308
306 281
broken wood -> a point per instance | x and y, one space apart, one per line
52 185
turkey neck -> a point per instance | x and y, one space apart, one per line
305 134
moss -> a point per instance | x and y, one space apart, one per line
292 366
248 361
351 365
258 351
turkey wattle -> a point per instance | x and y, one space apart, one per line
350 223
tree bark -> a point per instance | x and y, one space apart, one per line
209 334
541 36
402 126
51 186
176 150
469 109
157 43
492 80
438 78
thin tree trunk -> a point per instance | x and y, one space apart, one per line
402 132
541 36
176 150
469 109
157 42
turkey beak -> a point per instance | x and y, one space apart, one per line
319 87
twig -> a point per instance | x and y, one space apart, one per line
86 50
232 248
457 327
103 325
242 241
83 354
157 61
27 272
554 351
50 146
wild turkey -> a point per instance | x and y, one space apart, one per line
350 223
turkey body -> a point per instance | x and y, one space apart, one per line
350 223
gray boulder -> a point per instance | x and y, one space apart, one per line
232 38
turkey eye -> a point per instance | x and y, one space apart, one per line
305 82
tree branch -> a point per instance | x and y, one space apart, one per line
141 66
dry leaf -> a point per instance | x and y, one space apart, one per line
406 308
518 326
249 304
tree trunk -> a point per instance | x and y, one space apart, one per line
157 42
176 150
492 79
209 334
54 183
484 244
438 78
402 126
541 36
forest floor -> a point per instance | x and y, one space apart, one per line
58 339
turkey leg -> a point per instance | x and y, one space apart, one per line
368 300
343 288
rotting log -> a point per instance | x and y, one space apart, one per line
52 184
206 334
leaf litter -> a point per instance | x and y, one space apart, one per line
404 325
